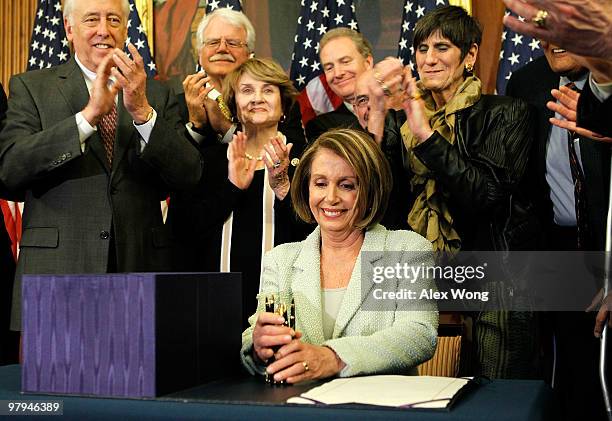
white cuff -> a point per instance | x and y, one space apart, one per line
227 138
85 129
194 135
145 129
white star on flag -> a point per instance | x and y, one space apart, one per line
322 15
514 58
516 51
409 19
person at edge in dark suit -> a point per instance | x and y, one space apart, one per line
93 146
575 377
583 28
9 341
345 56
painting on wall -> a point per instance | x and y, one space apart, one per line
175 23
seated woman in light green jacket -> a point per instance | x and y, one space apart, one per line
343 183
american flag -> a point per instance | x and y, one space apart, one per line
516 51
49 46
413 11
211 5
316 18
138 37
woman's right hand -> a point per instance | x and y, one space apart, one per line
270 333
414 107
240 169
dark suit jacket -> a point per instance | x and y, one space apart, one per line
77 208
594 114
340 118
533 84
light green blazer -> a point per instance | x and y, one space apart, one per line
368 338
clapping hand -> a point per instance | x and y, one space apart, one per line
276 159
566 107
240 169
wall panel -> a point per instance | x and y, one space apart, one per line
16 20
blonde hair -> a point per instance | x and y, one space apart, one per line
266 70
371 168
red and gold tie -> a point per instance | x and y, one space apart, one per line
108 127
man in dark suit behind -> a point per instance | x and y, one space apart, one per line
345 55
92 177
8 340
551 185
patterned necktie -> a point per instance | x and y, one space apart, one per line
580 202
108 127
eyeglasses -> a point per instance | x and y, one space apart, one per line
231 43
361 101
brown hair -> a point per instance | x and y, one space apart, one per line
266 70
363 45
365 158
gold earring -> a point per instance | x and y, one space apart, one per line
469 67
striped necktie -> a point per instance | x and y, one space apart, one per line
108 127
580 202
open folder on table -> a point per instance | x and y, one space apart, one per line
391 390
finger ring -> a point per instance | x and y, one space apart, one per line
276 164
539 19
385 89
378 78
415 96
305 364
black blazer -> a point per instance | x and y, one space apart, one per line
533 83
340 118
593 114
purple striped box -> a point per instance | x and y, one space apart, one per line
137 335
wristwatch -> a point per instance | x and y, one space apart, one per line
148 118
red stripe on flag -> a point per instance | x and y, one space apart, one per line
308 113
334 99
12 224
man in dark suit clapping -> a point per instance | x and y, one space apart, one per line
93 146
573 218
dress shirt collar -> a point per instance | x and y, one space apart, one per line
578 82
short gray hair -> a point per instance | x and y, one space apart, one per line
69 8
237 19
